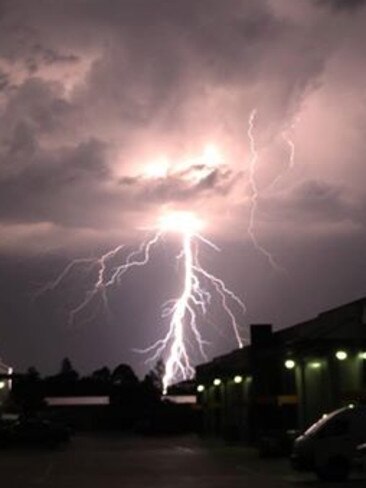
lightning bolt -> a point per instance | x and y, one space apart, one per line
286 137
253 160
182 313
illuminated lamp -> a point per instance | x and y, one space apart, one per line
290 364
2 385
200 388
341 355
363 355
217 382
238 379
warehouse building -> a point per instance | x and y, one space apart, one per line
288 378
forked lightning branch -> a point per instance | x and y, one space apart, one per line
199 289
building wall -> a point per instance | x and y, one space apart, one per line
273 396
226 408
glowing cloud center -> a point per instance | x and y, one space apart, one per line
180 222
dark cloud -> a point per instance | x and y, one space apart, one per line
35 104
51 56
317 198
41 56
312 203
4 81
198 181
50 190
342 4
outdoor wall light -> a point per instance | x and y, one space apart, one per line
290 364
200 388
2 385
238 379
315 365
363 355
341 355
217 382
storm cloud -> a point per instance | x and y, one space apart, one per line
94 94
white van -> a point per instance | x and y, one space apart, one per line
329 447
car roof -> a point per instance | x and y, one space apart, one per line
348 411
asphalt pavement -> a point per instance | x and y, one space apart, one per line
110 461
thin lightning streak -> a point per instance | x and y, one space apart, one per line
132 260
286 137
253 160
225 293
53 285
99 286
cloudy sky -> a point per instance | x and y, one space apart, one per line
112 112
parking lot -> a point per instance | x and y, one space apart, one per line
114 461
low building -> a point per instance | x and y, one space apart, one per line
288 378
183 393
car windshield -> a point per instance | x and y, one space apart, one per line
323 420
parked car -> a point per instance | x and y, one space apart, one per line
332 445
275 443
33 431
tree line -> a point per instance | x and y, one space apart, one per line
132 403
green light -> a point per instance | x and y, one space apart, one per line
290 364
341 355
217 382
200 388
315 365
238 379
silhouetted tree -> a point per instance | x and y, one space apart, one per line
102 374
155 376
67 372
124 375
63 383
33 374
28 392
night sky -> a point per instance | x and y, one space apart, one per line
112 111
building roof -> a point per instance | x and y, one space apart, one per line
344 323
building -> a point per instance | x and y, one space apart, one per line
288 378
183 393
5 382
